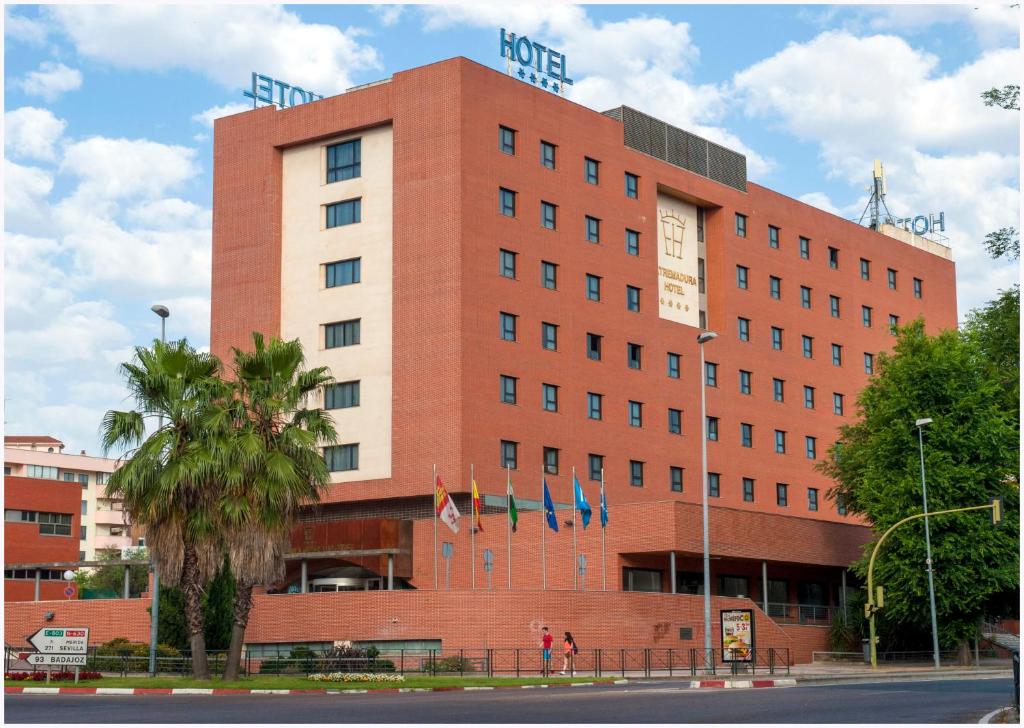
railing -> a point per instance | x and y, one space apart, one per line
811 614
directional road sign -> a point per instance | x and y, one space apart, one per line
46 659
61 640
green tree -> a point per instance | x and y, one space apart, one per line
107 579
169 481
1007 97
1003 243
995 330
277 466
217 614
971 456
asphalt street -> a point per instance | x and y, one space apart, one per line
940 701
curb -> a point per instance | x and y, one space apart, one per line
720 684
10 690
997 712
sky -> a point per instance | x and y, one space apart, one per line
108 151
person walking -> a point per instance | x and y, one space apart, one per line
546 640
569 651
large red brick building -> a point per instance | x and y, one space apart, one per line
502 279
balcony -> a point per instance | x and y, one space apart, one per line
110 517
811 614
111 542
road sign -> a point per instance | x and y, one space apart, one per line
61 640
40 658
69 591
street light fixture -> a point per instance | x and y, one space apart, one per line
919 424
163 312
701 340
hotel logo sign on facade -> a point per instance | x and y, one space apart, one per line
537 63
271 91
678 290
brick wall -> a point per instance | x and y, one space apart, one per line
106 618
805 640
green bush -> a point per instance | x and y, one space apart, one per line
453 663
110 656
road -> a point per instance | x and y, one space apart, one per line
940 701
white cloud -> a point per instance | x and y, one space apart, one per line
36 286
113 169
50 81
388 15
207 116
24 28
223 42
25 192
169 213
821 201
992 23
32 133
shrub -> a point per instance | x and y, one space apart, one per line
110 656
355 677
453 663
39 676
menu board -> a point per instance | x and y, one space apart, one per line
737 635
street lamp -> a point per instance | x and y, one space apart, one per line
919 424
163 312
703 339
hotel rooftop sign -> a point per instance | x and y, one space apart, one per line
537 63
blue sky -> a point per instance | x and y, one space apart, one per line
108 141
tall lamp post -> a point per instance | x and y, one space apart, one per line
163 312
701 340
928 539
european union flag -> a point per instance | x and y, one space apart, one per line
581 502
549 508
604 508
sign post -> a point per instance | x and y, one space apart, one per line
64 646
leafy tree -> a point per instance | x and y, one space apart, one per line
111 578
995 330
276 466
217 613
1004 242
169 481
1007 97
971 456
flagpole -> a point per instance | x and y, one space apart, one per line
604 568
434 486
508 514
472 530
575 571
543 528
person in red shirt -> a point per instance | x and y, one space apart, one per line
546 640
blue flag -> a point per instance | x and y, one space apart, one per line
604 508
581 502
549 509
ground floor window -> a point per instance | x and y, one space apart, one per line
733 586
689 582
645 580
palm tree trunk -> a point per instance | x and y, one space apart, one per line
242 607
193 591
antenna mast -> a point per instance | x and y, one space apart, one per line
876 203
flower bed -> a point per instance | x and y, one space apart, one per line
356 677
41 676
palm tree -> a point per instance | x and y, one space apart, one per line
170 478
277 466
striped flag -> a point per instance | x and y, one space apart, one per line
445 507
476 509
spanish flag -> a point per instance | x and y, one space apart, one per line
476 509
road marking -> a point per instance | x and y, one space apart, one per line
115 691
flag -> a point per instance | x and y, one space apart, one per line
549 508
604 507
513 514
445 507
476 509
581 502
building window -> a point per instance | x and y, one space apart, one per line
41 471
917 287
865 316
509 387
509 454
776 338
102 479
811 447
636 414
710 374
894 323
805 297
741 225
865 269
641 580
812 499
56 524
807 343
780 442
593 229
808 397
343 333
675 421
746 435
343 160
549 396
342 395
700 275
633 299
595 404
636 473
83 480
83 533
632 242
590 170
594 347
733 586
712 425
632 186
775 287
778 390
633 352
675 479
700 224
548 215
748 490
549 336
840 505
743 328
869 363
805 248
833 305
508 326
346 272
673 365
593 287
741 276
891 276
507 263
714 485
342 457
773 237
506 140
346 212
837 403
547 154
833 258
744 382
548 275
595 465
837 355
69 477
782 494
551 460
506 202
